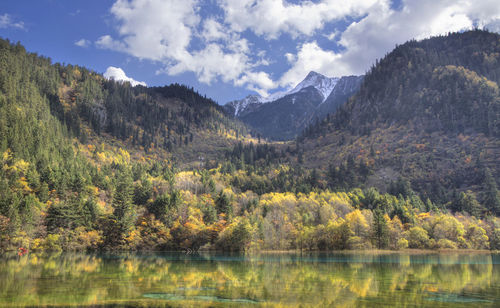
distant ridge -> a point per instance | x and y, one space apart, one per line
283 115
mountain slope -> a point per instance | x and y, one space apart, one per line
65 129
173 122
321 83
428 112
87 164
283 115
343 90
83 158
283 118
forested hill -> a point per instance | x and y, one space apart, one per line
427 113
447 84
88 164
39 97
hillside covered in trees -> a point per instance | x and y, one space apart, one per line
92 164
427 114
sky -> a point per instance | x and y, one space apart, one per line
228 49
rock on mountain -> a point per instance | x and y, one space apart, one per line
321 83
283 115
343 90
243 106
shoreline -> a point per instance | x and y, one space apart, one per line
272 252
382 251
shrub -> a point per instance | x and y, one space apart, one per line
477 237
236 237
402 243
417 238
50 243
357 243
445 243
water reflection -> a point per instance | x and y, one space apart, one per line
342 279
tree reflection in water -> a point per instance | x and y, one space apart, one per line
342 279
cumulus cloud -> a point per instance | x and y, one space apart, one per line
6 21
220 46
311 58
213 31
382 28
155 29
259 82
83 43
273 17
107 42
162 31
118 74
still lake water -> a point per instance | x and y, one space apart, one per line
264 280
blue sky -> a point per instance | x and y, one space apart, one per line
228 49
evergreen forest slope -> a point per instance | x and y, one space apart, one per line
410 162
427 113
171 122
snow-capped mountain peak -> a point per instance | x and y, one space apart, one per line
242 104
322 83
254 99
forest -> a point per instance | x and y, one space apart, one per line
91 164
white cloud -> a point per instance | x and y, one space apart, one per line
181 38
382 28
118 74
311 58
6 21
259 82
271 18
83 43
213 31
155 29
107 42
163 31
290 57
211 62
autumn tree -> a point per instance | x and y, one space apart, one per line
417 238
476 237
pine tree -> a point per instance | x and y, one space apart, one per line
124 211
380 229
223 204
491 197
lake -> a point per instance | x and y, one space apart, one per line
357 279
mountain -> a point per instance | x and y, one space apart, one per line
283 115
343 90
427 113
321 83
88 163
245 105
250 103
171 122
283 118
